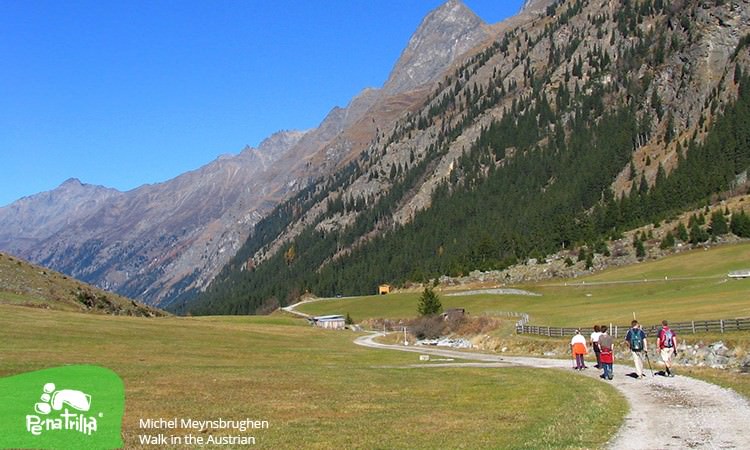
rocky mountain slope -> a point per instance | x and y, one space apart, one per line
445 34
574 121
159 241
25 284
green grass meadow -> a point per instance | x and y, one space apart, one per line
692 285
688 286
316 388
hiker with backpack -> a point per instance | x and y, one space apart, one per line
607 355
667 343
579 349
636 342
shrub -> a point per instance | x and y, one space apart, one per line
428 327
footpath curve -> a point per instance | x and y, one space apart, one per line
665 413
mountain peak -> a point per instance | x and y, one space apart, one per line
444 34
71 182
283 139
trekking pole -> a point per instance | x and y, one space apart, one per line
649 363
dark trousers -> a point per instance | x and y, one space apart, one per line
597 352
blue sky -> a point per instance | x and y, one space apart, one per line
127 92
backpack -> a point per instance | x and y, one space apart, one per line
636 340
667 338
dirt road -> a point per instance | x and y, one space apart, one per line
665 413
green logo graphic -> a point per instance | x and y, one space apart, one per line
70 407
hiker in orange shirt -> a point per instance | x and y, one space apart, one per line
579 349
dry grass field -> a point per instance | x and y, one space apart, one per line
315 388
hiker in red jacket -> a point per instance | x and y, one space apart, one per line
667 343
606 346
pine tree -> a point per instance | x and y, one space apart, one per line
682 233
581 254
589 261
640 250
718 224
741 224
429 303
667 242
697 234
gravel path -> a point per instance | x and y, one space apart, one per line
494 291
665 413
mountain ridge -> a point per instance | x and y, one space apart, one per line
542 96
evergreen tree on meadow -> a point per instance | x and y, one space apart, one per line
429 303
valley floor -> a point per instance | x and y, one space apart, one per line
316 389
679 412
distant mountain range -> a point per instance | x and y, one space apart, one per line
158 241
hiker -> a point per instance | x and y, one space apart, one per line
595 345
636 341
579 349
667 343
607 357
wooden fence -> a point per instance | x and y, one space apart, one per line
695 326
